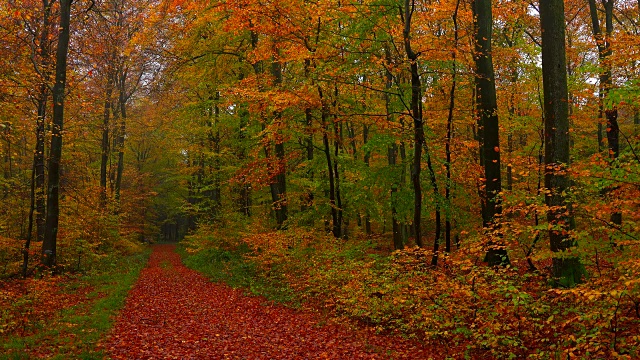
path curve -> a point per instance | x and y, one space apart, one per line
176 313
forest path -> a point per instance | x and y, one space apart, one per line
176 313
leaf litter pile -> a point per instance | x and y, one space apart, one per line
175 313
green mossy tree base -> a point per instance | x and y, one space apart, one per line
568 272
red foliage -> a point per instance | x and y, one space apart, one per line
176 313
32 305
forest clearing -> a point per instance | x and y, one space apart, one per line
384 179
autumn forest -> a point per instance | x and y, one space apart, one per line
388 179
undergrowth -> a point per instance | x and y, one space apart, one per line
462 305
65 316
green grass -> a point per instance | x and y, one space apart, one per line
75 333
233 268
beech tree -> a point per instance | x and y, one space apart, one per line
607 113
489 128
53 194
567 268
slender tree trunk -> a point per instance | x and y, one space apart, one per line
603 43
53 205
407 230
308 197
27 243
39 168
396 227
567 268
436 195
452 97
398 230
244 200
419 140
539 190
106 149
487 112
279 190
337 132
122 102
212 182
418 123
6 166
613 139
38 157
217 187
367 160
277 187
509 166
336 226
511 108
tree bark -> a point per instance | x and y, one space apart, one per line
244 200
27 243
336 226
122 108
603 42
452 97
53 198
418 123
398 230
279 187
337 133
308 198
487 109
567 268
216 197
436 194
42 105
367 162
106 149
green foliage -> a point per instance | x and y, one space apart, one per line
233 267
628 93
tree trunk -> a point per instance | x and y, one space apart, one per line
452 97
122 102
336 225
307 201
279 188
606 83
106 149
436 195
212 182
396 227
567 269
337 133
38 157
217 186
308 197
6 166
487 112
39 168
366 159
398 230
27 243
244 191
53 205
509 167
418 124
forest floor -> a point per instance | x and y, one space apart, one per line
176 313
